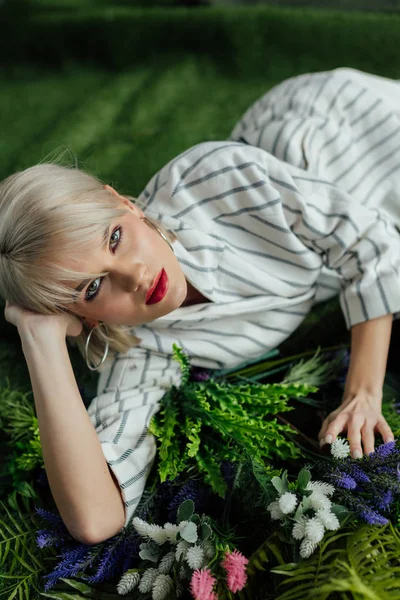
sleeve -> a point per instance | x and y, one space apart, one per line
129 391
359 243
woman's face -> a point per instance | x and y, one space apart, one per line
138 260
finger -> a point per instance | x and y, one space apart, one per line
368 438
336 427
354 437
384 430
324 428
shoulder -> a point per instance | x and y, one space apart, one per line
206 171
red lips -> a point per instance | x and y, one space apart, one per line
159 288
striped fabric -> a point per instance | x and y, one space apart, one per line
254 235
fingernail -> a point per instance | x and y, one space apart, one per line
389 439
357 454
328 439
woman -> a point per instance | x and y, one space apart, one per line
223 258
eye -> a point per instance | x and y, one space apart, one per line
115 238
93 289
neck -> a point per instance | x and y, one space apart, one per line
193 296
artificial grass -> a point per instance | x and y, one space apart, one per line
244 41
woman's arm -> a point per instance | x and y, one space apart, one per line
360 412
88 499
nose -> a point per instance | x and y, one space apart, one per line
134 276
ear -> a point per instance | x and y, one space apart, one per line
135 209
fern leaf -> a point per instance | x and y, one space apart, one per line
183 361
210 467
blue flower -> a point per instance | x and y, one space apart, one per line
342 480
372 517
73 561
384 450
383 502
358 474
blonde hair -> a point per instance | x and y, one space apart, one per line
45 208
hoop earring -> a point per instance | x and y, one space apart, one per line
95 367
164 237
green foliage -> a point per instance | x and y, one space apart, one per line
315 371
19 422
207 422
361 562
21 567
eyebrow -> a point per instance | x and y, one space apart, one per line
106 235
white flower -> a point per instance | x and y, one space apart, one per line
307 547
328 519
141 526
287 502
158 534
181 549
340 448
162 587
128 582
317 500
275 510
209 549
195 557
298 531
148 578
166 563
321 486
314 530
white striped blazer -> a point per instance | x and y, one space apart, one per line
254 234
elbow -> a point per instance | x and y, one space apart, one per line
91 536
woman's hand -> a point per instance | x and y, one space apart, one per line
361 417
360 413
26 320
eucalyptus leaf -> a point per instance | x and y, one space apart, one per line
185 510
279 485
205 532
146 554
304 478
195 519
340 511
189 532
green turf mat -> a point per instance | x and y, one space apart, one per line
245 41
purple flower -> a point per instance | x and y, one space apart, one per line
110 563
358 474
46 538
372 517
199 374
342 480
73 561
384 501
53 519
384 450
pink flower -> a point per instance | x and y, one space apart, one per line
234 564
201 585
